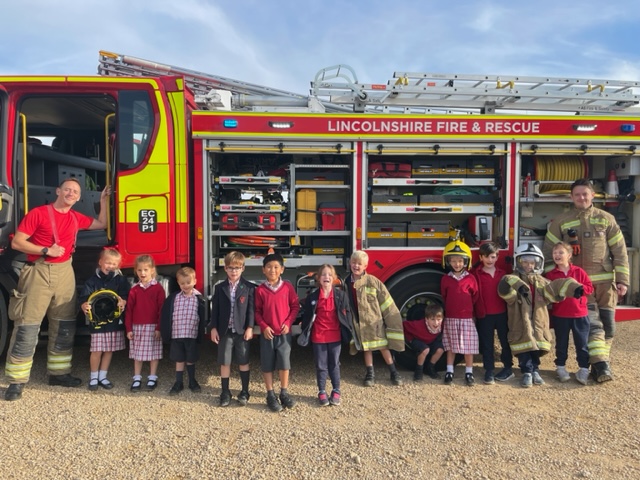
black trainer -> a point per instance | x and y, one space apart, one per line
286 400
225 398
273 404
14 392
489 379
65 380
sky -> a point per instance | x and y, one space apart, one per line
284 43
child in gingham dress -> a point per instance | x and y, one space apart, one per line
459 291
142 322
109 337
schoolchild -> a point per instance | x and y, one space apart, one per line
570 315
376 319
528 295
182 326
107 334
231 325
460 296
277 306
330 307
425 336
488 276
142 322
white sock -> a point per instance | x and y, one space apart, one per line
449 368
102 375
468 369
94 376
137 378
152 377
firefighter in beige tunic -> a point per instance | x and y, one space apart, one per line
528 294
599 249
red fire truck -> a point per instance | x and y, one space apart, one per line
392 169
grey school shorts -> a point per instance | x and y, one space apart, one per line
233 347
275 353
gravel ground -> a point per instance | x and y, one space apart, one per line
424 430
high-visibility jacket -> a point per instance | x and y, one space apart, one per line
528 315
603 252
377 320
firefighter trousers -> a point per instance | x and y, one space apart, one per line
602 305
43 289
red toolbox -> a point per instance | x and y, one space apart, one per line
251 221
333 215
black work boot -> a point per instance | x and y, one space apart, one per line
14 392
369 378
65 380
603 372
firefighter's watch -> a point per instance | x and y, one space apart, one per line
44 251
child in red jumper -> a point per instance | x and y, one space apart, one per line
488 277
425 336
327 312
570 315
142 322
459 291
277 306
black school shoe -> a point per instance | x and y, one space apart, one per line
176 388
448 378
243 398
225 398
469 380
195 387
65 380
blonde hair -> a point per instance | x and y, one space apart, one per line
110 252
234 257
330 267
186 272
360 257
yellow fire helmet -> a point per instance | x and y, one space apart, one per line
104 307
456 248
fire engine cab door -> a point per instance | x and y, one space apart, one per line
6 192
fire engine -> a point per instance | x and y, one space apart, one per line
202 165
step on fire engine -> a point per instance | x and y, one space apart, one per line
203 165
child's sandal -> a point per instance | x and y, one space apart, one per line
152 384
135 386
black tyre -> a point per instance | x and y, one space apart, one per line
412 291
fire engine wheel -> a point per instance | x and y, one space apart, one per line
412 291
4 326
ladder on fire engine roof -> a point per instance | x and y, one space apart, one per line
425 92
244 95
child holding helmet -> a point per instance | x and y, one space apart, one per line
528 294
106 324
459 291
